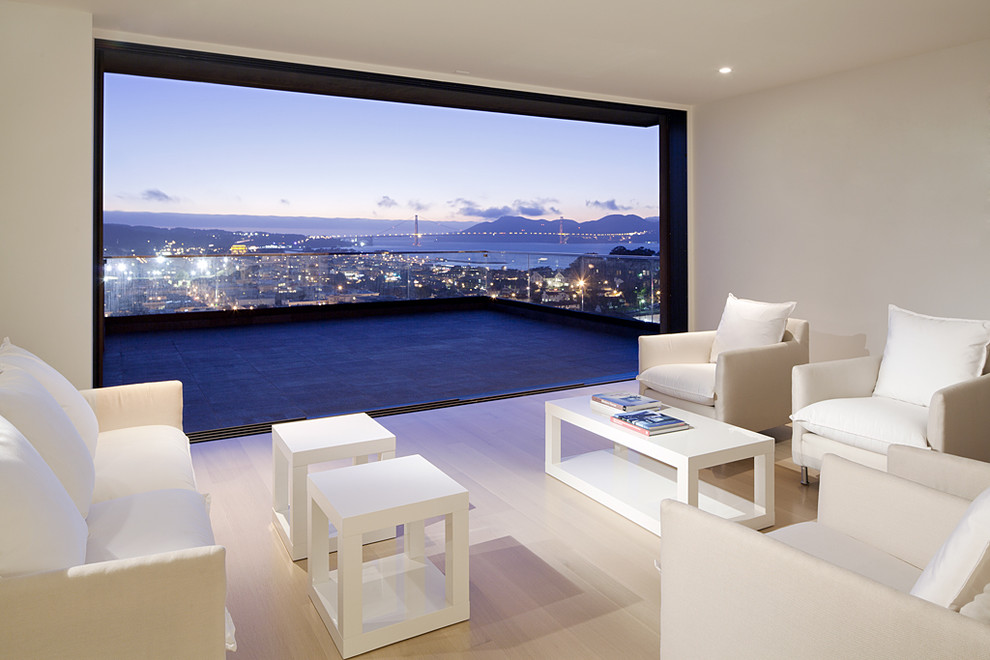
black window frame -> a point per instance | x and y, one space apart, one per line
201 66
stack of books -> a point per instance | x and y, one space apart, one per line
613 402
649 422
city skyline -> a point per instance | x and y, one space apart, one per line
182 147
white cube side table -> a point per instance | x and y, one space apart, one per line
297 445
367 605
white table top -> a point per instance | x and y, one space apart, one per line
707 437
315 440
359 490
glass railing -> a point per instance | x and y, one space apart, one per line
614 285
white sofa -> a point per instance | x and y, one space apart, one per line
132 570
838 587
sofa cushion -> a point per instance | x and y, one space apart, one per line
961 568
142 458
749 324
72 402
146 524
923 354
691 382
40 526
28 406
851 554
871 422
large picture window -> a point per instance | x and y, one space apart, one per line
233 184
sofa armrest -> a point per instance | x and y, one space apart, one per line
727 591
141 404
901 517
835 379
959 419
753 385
675 348
963 477
168 605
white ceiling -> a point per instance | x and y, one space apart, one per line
658 51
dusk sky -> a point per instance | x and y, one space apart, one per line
182 147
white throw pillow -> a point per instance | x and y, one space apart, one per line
749 324
29 407
40 527
72 402
923 354
869 422
961 567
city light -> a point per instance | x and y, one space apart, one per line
171 284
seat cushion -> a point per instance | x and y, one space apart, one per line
146 524
872 422
27 405
849 553
140 459
40 526
64 392
750 324
691 382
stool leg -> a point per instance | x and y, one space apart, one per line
457 582
350 594
804 475
415 545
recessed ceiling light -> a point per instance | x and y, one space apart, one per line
725 69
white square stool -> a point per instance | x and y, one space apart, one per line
367 605
297 445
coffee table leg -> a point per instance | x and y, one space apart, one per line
763 493
687 485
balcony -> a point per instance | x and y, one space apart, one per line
270 337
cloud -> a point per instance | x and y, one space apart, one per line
608 205
156 195
536 207
284 202
387 202
417 205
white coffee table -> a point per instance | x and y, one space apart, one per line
366 605
633 483
297 445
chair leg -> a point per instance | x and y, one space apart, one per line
804 476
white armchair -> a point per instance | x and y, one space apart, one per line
847 407
745 387
838 587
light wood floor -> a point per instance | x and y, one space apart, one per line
553 574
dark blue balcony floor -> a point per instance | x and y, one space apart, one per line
259 374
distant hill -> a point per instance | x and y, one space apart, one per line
127 240
309 226
510 228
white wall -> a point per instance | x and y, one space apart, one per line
46 165
847 193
